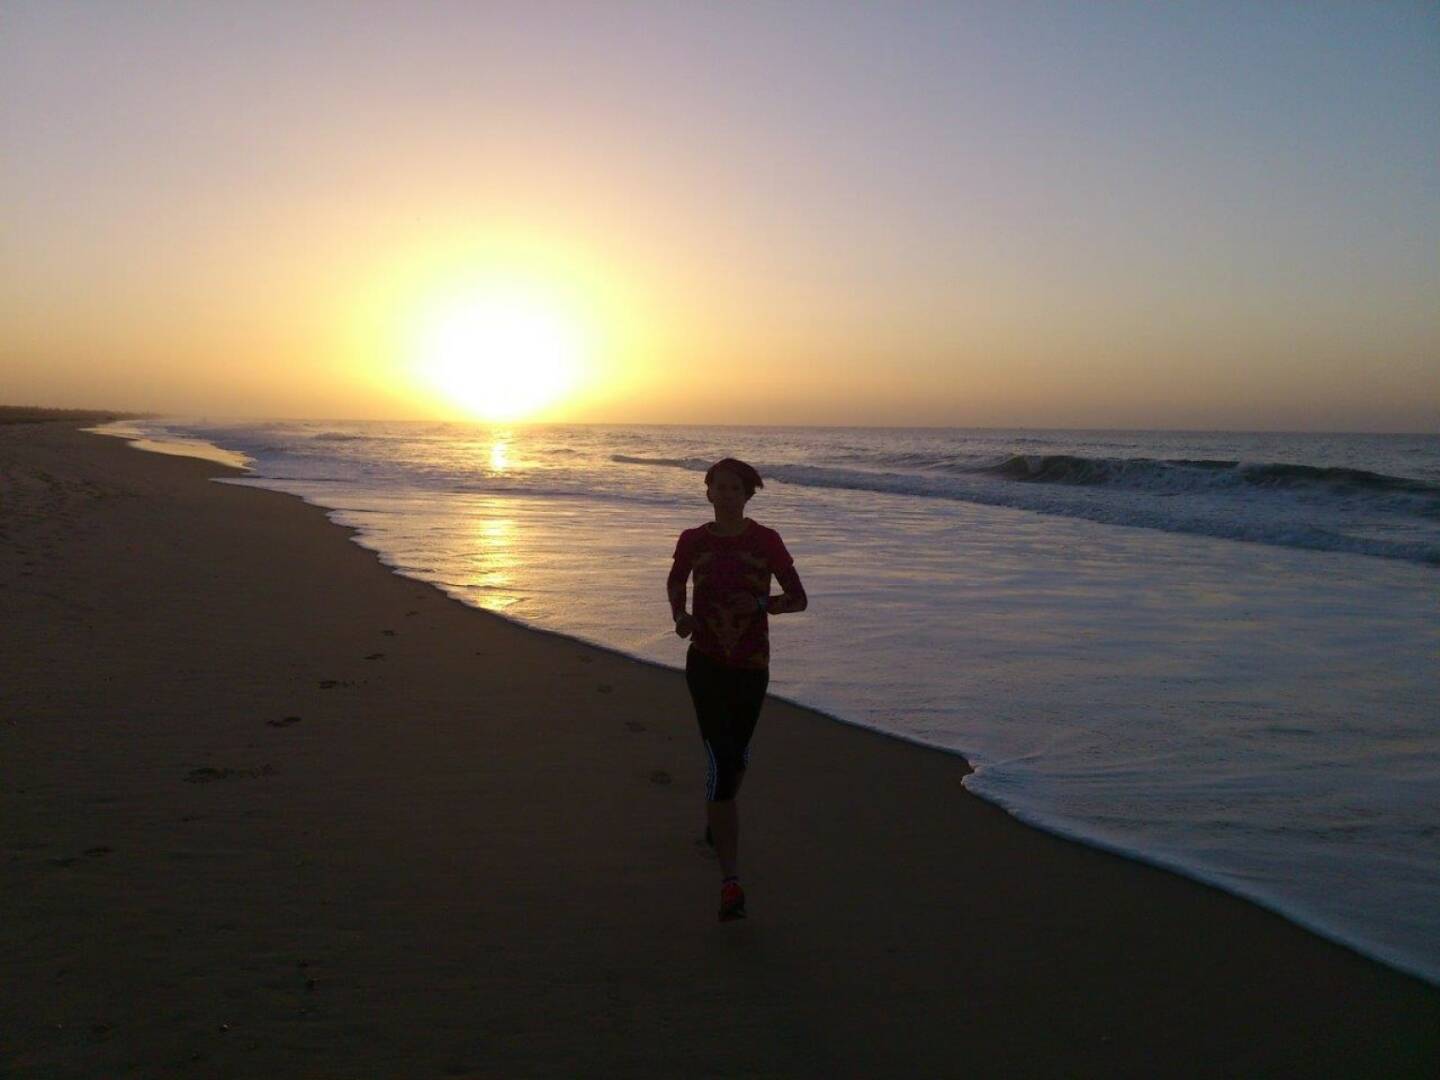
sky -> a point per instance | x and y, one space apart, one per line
1100 215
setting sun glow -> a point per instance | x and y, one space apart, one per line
500 354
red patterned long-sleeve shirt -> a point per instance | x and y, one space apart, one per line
731 574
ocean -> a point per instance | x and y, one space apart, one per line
1215 652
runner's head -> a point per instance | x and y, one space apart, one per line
731 482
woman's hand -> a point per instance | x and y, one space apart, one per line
685 625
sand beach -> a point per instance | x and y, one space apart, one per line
269 809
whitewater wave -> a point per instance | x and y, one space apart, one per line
1268 502
1187 473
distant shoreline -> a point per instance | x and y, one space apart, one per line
32 413
37 414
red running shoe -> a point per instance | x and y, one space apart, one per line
732 901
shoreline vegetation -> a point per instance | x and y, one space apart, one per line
35 414
269 808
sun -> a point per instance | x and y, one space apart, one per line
502 353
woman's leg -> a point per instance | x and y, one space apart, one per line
724 818
709 690
727 706
745 696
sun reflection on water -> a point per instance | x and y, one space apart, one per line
490 577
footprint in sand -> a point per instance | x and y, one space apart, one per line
328 684
286 722
587 659
388 633
660 776
634 725
605 688
206 775
376 656
99 850
412 613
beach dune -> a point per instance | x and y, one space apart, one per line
268 809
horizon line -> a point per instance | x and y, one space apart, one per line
124 414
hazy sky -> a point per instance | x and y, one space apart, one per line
1049 214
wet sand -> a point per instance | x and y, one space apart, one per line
267 809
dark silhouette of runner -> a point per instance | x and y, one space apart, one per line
727 666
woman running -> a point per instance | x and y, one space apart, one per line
727 666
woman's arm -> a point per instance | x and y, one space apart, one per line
675 587
682 561
793 599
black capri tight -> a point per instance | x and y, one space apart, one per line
727 704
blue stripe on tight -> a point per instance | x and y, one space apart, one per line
710 772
